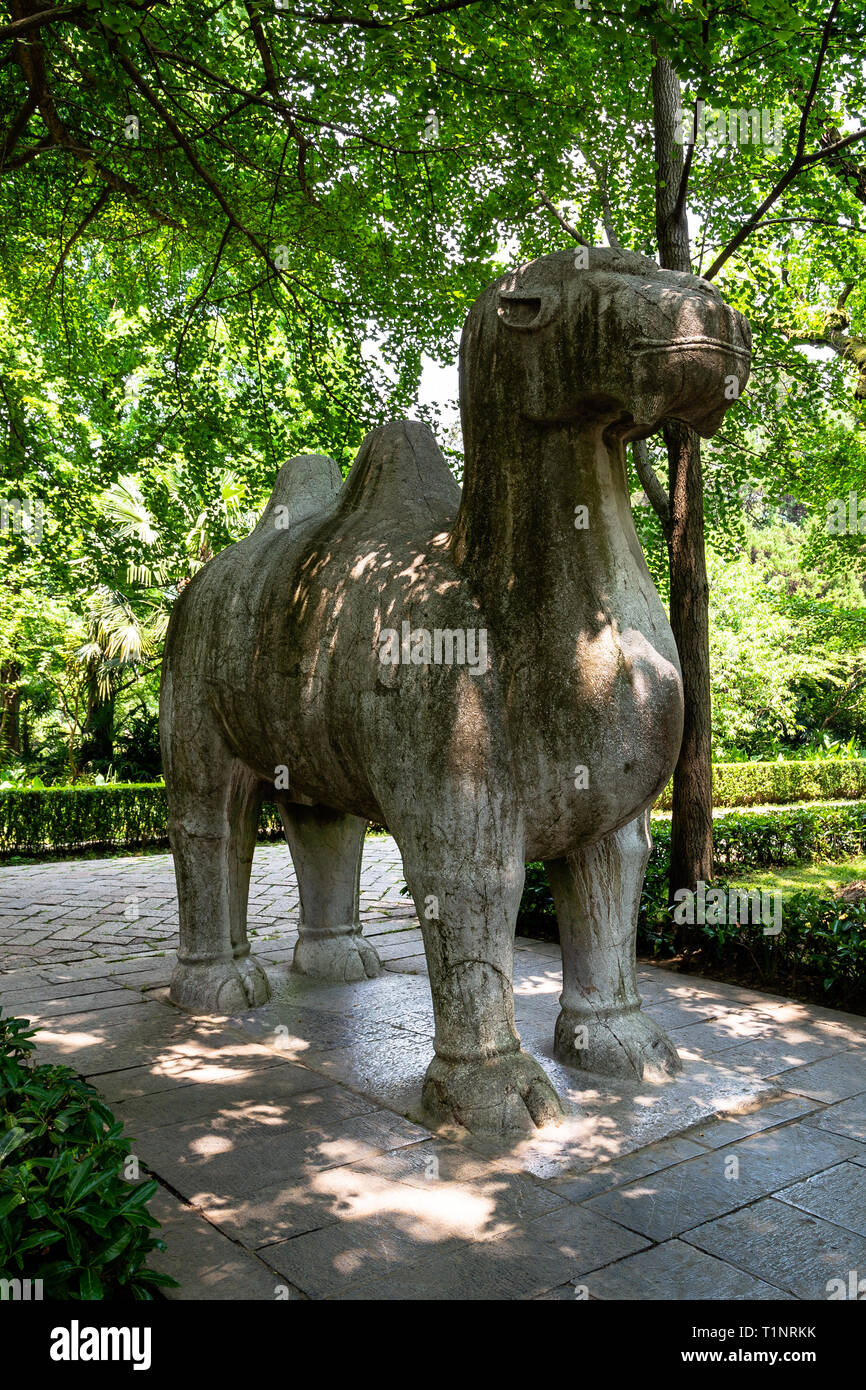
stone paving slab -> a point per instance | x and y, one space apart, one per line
293 1159
664 1205
676 1271
61 910
789 1248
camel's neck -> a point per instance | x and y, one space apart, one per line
516 536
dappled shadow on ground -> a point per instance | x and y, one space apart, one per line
294 1132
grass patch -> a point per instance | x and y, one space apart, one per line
796 878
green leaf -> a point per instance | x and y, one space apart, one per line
12 1139
90 1284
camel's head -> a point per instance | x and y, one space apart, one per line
603 335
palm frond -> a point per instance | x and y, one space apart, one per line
124 503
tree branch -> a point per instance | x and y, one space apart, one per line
798 163
651 483
37 21
18 126
563 222
31 60
606 213
273 86
361 22
144 87
83 224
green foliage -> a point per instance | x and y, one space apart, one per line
787 835
261 266
821 949
787 643
742 839
67 1215
68 819
783 782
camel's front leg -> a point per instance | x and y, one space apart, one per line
467 885
597 894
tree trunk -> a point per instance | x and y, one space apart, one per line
98 743
692 828
10 673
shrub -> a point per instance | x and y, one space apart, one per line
72 818
789 835
741 839
779 783
69 819
820 949
823 941
75 818
67 1216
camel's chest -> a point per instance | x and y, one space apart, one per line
595 736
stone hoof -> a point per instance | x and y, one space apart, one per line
629 1045
255 981
219 987
340 959
494 1095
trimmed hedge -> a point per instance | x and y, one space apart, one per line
787 835
778 784
67 820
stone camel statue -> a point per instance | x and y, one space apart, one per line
491 675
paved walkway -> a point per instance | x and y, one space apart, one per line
293 1162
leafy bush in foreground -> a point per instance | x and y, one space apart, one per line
67 1215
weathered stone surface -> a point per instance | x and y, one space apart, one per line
447 1187
837 1195
674 1271
268 1096
830 1078
591 1241
848 1117
653 1159
541 725
765 1114
668 1203
205 1263
790 1248
511 1268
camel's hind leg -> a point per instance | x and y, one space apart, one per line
326 848
597 893
213 819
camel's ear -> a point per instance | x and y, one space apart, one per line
527 309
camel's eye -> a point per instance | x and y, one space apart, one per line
527 311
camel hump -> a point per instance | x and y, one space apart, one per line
400 475
305 486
